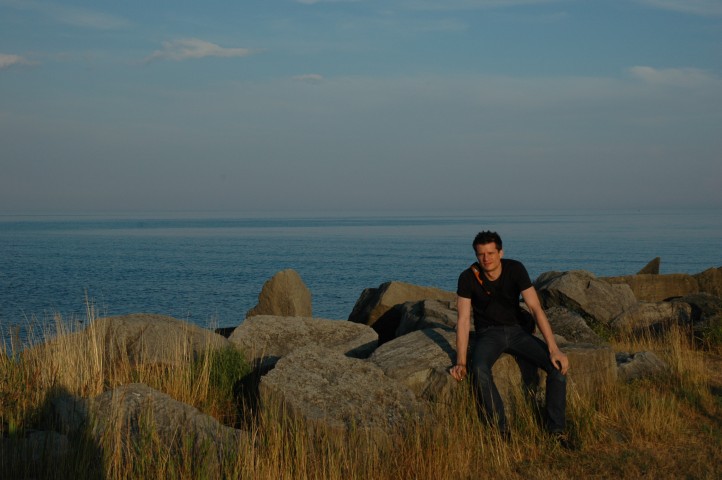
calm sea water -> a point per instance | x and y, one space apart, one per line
210 269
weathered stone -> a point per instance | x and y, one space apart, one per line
571 326
638 365
380 307
264 339
648 316
127 417
421 361
706 311
582 292
338 394
284 295
657 288
139 338
652 268
710 281
130 414
427 314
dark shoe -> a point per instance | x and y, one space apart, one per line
564 440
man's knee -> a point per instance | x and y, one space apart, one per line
556 376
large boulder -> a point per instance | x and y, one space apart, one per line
139 338
710 281
706 312
380 307
284 295
582 292
339 395
657 288
427 314
136 417
420 360
652 316
264 339
571 326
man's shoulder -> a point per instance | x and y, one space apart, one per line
511 263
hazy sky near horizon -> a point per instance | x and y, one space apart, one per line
360 105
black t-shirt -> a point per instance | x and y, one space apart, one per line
496 302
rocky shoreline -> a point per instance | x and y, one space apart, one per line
374 373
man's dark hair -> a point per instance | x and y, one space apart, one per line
482 238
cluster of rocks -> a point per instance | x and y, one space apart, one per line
378 371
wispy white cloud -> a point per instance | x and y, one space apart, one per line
678 77
74 16
8 60
193 48
697 7
309 77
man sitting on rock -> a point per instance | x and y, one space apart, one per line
492 287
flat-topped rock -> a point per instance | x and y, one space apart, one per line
657 288
264 339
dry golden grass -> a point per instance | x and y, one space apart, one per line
666 427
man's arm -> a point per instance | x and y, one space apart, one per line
463 325
559 359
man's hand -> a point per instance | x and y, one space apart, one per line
458 372
559 360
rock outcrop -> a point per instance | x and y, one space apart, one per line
380 307
339 395
654 317
139 338
284 295
657 288
135 415
582 292
710 281
571 326
427 314
265 339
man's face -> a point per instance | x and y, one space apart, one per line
489 256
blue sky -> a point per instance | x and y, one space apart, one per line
365 105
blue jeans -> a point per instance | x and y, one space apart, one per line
489 344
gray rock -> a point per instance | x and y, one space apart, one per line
380 307
132 414
584 293
657 288
284 295
571 326
638 365
655 317
339 395
139 338
710 281
652 268
264 339
420 360
706 312
427 314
